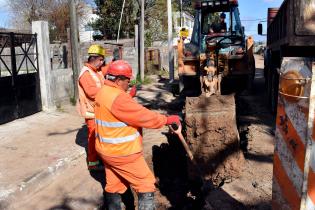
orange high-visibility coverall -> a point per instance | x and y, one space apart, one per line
118 141
90 89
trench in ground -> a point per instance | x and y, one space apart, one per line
170 167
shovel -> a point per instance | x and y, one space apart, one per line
178 131
206 185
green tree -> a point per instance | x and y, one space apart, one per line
109 14
156 20
187 6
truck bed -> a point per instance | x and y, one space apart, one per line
293 26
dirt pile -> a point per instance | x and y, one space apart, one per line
213 137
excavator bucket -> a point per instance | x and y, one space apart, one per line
213 137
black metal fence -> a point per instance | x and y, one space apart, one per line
19 76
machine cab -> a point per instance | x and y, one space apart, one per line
217 19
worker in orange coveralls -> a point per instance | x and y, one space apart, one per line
90 82
118 140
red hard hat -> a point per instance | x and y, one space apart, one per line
120 68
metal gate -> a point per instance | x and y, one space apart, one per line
19 77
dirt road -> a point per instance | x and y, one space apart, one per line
44 158
255 123
252 190
74 187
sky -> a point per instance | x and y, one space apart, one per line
250 10
255 9
5 14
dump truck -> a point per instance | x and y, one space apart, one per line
290 85
290 33
217 54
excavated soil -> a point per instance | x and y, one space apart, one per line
252 165
167 157
213 138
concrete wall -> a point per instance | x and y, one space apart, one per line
163 47
131 56
62 80
59 57
44 67
61 73
62 83
129 52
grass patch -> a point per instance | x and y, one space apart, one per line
72 101
163 73
137 81
60 108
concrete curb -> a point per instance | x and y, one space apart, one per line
39 180
51 170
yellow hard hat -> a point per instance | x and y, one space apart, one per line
97 49
183 32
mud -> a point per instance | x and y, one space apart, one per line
213 137
252 189
175 190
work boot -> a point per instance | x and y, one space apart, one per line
113 201
146 201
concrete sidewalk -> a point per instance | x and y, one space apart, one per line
36 147
42 157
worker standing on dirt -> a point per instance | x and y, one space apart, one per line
90 82
118 140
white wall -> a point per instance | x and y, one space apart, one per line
86 32
187 22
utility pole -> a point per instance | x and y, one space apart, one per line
121 14
181 12
76 61
170 40
142 41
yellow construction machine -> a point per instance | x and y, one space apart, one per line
208 66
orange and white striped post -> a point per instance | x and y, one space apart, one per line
308 199
294 156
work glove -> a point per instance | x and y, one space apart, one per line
173 119
133 91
